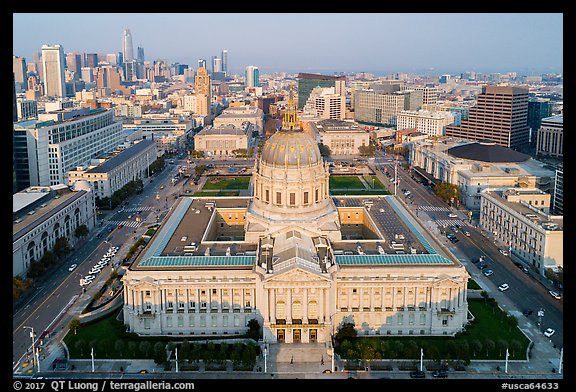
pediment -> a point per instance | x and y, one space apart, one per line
447 281
143 283
297 275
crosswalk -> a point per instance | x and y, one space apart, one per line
126 223
450 222
433 208
134 209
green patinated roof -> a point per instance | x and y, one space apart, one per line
197 261
408 259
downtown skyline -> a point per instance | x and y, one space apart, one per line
525 43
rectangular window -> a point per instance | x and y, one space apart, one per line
180 321
214 321
267 192
169 321
305 197
278 197
202 321
191 321
292 199
316 195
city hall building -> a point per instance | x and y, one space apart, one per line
296 259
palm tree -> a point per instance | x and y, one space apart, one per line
145 347
515 345
476 346
80 346
489 346
502 345
132 347
119 346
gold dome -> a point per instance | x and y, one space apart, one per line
291 149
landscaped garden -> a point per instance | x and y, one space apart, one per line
486 337
346 182
224 183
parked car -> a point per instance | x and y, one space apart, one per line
555 294
503 287
452 215
549 332
527 312
488 272
417 374
466 233
72 267
439 374
504 252
481 266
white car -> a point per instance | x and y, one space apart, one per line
72 267
106 259
89 277
84 282
452 215
549 332
555 294
503 287
504 252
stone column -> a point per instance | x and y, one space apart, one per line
305 306
272 315
321 313
289 306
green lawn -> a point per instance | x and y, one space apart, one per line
222 183
360 192
472 285
217 193
377 183
490 329
346 182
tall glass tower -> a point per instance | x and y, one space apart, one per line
252 76
225 61
127 49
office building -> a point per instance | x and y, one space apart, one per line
53 66
500 114
381 105
26 109
538 109
550 137
225 61
444 79
216 64
239 115
426 122
204 93
324 103
130 164
307 81
201 63
127 48
294 259
74 64
41 215
429 94
87 74
59 141
558 199
520 218
252 76
20 69
91 60
344 138
108 80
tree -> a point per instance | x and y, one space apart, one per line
367 151
184 349
489 346
104 346
48 260
36 269
61 247
249 355
119 346
199 169
512 322
515 345
74 325
160 356
502 346
145 347
132 347
324 150
81 346
434 353
447 192
346 331
253 329
81 231
476 346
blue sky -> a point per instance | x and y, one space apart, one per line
529 43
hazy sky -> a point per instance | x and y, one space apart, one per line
529 43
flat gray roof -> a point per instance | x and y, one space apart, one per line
122 157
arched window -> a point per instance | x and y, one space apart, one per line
281 310
297 310
313 310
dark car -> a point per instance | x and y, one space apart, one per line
481 266
417 374
439 374
528 312
474 261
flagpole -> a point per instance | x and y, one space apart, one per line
506 367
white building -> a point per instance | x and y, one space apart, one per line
342 137
53 61
324 103
427 122
376 107
130 164
520 218
27 109
43 214
239 115
550 138
61 140
223 140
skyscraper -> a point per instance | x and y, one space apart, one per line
53 66
306 82
500 115
203 93
201 63
19 69
127 49
216 64
538 109
225 61
91 60
74 64
252 76
140 54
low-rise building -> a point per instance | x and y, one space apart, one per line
342 137
520 218
26 109
111 175
237 116
41 215
222 140
550 138
430 123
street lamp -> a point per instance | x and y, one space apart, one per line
34 351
